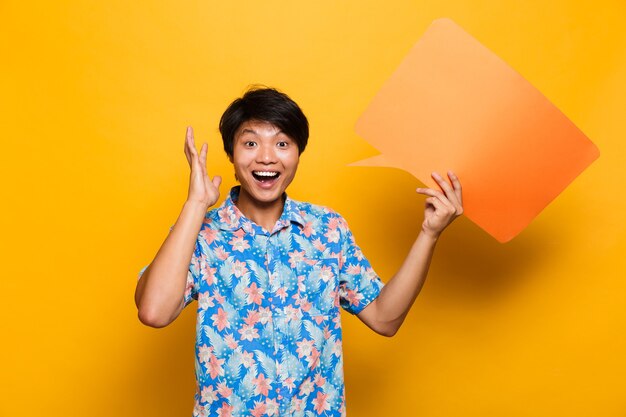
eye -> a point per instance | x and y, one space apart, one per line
249 144
282 144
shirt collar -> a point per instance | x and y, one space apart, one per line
229 217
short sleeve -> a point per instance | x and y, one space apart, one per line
193 274
359 284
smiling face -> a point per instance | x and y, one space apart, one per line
265 161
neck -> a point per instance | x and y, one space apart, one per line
264 214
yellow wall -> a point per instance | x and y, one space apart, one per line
95 97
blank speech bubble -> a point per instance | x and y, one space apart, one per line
454 105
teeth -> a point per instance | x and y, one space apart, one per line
265 173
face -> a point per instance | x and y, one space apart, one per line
265 161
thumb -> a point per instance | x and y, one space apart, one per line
217 180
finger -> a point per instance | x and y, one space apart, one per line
447 189
435 202
437 194
457 186
203 152
187 146
217 180
191 141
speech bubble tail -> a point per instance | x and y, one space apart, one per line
374 161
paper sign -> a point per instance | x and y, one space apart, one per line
454 105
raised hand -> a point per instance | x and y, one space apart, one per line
201 189
442 206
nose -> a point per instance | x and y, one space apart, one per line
266 154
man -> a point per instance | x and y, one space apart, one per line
270 273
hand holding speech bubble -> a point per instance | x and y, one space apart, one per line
454 105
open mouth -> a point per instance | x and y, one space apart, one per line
265 176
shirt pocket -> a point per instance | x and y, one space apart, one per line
318 286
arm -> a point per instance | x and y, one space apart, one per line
386 313
160 290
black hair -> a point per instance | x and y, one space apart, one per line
268 105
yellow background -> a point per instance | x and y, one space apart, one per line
95 97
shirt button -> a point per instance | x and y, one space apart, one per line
281 346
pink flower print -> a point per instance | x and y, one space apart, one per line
205 300
200 411
353 297
247 358
230 341
239 243
305 348
319 380
326 273
239 268
208 235
229 216
298 299
332 235
252 318
337 321
220 320
314 358
296 405
215 366
288 383
334 295
272 407
306 387
305 305
321 404
301 286
220 253
370 274
204 353
265 315
327 333
358 254
261 385
188 288
333 223
282 293
195 262
292 313
224 390
337 348
307 230
295 257
255 294
354 269
225 410
209 275
208 394
248 333
259 408
317 244
318 319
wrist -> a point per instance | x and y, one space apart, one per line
195 205
430 235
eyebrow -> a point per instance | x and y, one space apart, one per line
247 130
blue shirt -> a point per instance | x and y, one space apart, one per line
268 339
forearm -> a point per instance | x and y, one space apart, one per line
159 292
398 295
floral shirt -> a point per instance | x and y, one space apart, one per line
268 332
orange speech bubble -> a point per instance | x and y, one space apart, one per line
454 105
